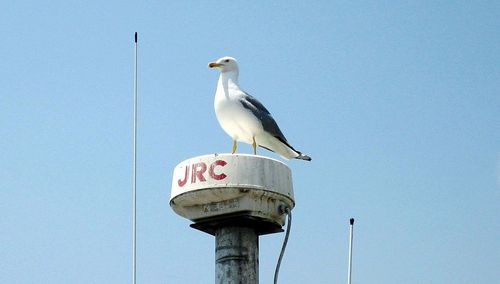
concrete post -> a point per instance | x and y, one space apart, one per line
236 255
236 198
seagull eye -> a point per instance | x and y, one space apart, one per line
227 60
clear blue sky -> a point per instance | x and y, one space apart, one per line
397 103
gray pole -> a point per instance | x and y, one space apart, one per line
351 229
134 178
236 255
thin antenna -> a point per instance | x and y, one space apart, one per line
134 179
349 272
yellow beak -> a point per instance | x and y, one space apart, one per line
214 64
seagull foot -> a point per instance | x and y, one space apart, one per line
254 146
234 147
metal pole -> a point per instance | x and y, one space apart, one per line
236 255
349 272
134 179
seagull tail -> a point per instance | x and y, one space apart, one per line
291 150
303 157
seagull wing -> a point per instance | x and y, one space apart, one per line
269 124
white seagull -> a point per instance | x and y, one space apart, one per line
244 118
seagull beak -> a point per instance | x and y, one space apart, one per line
214 64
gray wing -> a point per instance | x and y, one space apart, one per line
265 117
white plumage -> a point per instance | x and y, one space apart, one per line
243 117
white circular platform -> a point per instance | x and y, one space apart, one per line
219 185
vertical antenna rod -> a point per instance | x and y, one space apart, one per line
349 272
134 179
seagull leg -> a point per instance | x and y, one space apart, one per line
234 147
254 146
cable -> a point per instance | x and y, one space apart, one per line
283 209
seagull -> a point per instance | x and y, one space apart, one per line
244 118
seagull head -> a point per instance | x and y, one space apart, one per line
225 64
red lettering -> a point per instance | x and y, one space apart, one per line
198 170
212 173
198 173
181 183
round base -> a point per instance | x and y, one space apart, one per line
259 225
224 185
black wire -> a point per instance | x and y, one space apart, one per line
287 234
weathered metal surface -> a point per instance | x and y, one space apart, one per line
236 198
236 256
217 185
